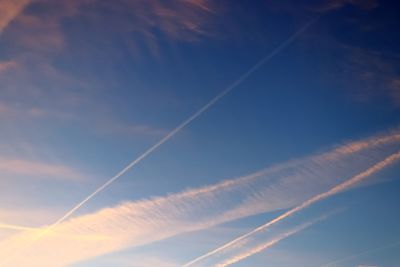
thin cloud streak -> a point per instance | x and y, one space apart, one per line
336 189
181 126
270 243
137 223
22 167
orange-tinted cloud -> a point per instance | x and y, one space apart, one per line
8 65
144 221
9 9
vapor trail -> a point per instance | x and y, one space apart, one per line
270 243
137 223
336 189
177 129
366 252
188 120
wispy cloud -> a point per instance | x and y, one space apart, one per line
248 252
336 4
37 169
7 65
142 222
332 191
9 10
32 79
181 125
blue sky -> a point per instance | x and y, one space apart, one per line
306 146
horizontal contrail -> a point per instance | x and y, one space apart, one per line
269 243
338 188
366 252
214 100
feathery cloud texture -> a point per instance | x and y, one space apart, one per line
145 221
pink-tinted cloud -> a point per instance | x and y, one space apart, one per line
37 169
8 65
337 4
37 88
9 10
136 223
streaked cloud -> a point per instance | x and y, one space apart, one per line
35 87
37 169
9 10
136 223
336 4
8 65
251 250
346 184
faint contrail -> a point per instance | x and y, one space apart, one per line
178 128
336 189
366 252
270 243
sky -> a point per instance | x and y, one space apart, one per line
177 133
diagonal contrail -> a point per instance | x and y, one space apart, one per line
214 100
188 120
334 190
270 243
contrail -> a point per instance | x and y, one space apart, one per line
214 100
188 120
270 243
338 188
137 223
366 252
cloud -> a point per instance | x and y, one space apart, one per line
41 29
40 43
135 223
9 10
7 65
37 169
371 74
248 252
346 184
337 4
